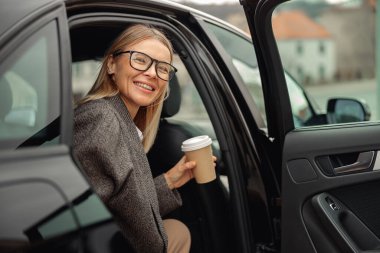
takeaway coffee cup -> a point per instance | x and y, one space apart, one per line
198 149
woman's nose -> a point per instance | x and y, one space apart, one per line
151 71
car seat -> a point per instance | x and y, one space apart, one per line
204 206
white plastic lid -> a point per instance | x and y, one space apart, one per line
196 143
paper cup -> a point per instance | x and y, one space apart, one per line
198 149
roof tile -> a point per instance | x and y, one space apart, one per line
297 25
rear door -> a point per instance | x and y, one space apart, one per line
38 178
330 180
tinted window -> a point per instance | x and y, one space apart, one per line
301 109
192 110
29 87
245 63
84 74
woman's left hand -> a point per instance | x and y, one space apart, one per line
181 173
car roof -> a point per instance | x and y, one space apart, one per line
83 35
162 5
165 4
14 11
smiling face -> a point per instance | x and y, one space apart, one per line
139 88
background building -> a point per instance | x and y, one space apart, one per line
313 45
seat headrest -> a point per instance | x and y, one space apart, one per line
173 102
6 97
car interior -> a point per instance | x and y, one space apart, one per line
205 207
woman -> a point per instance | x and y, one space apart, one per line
124 104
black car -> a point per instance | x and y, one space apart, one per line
287 182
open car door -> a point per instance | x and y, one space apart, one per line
329 173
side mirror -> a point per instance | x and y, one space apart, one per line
344 110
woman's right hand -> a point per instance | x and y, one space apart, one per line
180 174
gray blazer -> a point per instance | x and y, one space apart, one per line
107 145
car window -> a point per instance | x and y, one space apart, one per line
301 109
29 93
84 74
244 60
192 109
329 49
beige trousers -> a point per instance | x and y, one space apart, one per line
179 239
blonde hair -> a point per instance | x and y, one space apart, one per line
148 117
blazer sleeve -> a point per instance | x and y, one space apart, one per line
96 147
168 200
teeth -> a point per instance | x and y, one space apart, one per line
145 86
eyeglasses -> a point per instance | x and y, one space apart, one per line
142 62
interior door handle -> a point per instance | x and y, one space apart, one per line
364 162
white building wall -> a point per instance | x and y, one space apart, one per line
303 59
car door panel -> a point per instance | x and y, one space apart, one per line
340 164
343 206
34 184
329 176
337 227
343 225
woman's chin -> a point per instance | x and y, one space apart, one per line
147 103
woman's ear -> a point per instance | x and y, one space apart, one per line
111 65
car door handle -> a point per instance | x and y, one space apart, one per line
364 162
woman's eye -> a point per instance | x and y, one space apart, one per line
140 60
163 69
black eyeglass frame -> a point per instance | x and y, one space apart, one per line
130 52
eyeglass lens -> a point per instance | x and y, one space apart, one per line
143 62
